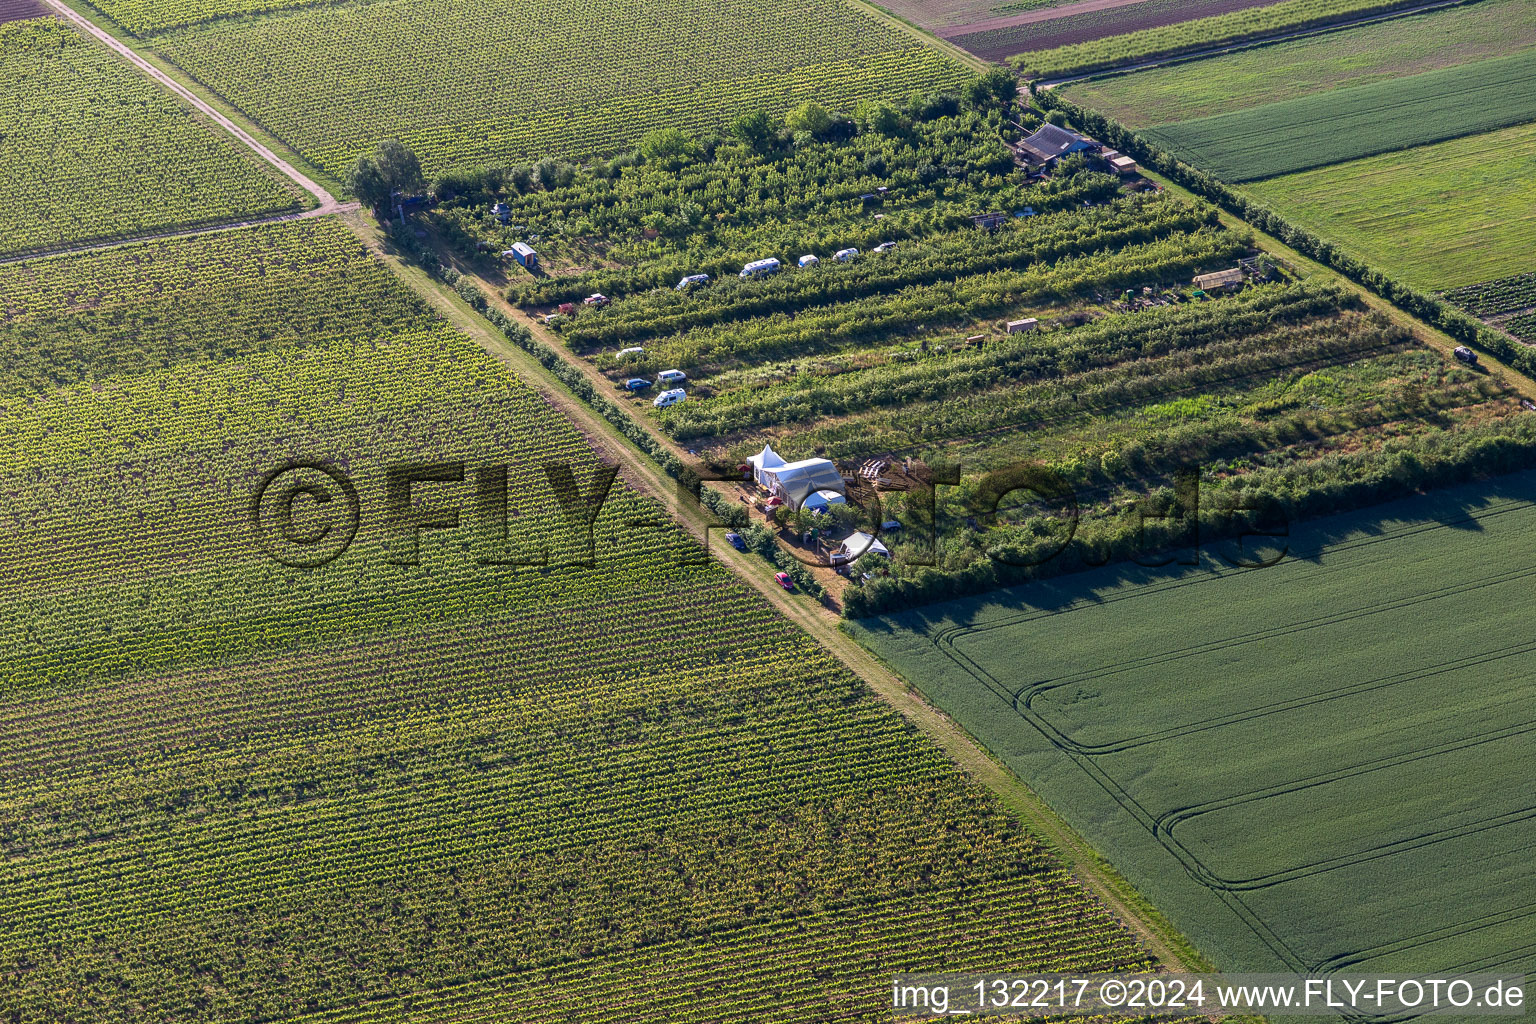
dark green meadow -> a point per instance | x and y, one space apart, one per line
1258 748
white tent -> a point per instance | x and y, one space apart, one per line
795 481
861 543
763 464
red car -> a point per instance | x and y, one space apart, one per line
783 580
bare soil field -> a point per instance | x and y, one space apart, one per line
1084 22
21 10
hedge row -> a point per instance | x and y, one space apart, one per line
1399 470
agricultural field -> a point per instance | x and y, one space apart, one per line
473 82
1400 48
1320 766
1288 393
1508 303
1365 120
90 150
271 754
1444 216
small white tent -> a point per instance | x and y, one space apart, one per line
859 544
763 465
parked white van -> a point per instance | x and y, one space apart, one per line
671 377
667 398
759 268
844 255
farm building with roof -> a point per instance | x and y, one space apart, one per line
1051 143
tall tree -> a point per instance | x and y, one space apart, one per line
810 117
366 182
399 166
756 129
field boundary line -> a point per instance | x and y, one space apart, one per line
211 229
1100 878
1246 44
328 203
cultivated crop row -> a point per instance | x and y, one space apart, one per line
1202 33
472 82
94 150
1491 298
927 261
1003 362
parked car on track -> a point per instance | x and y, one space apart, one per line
885 247
783 580
691 280
636 384
735 541
1465 354
671 376
637 350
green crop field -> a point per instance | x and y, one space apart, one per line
1346 124
500 775
469 82
1398 48
1442 216
90 149
1319 766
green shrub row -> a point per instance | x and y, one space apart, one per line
1341 483
1079 232
1049 356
